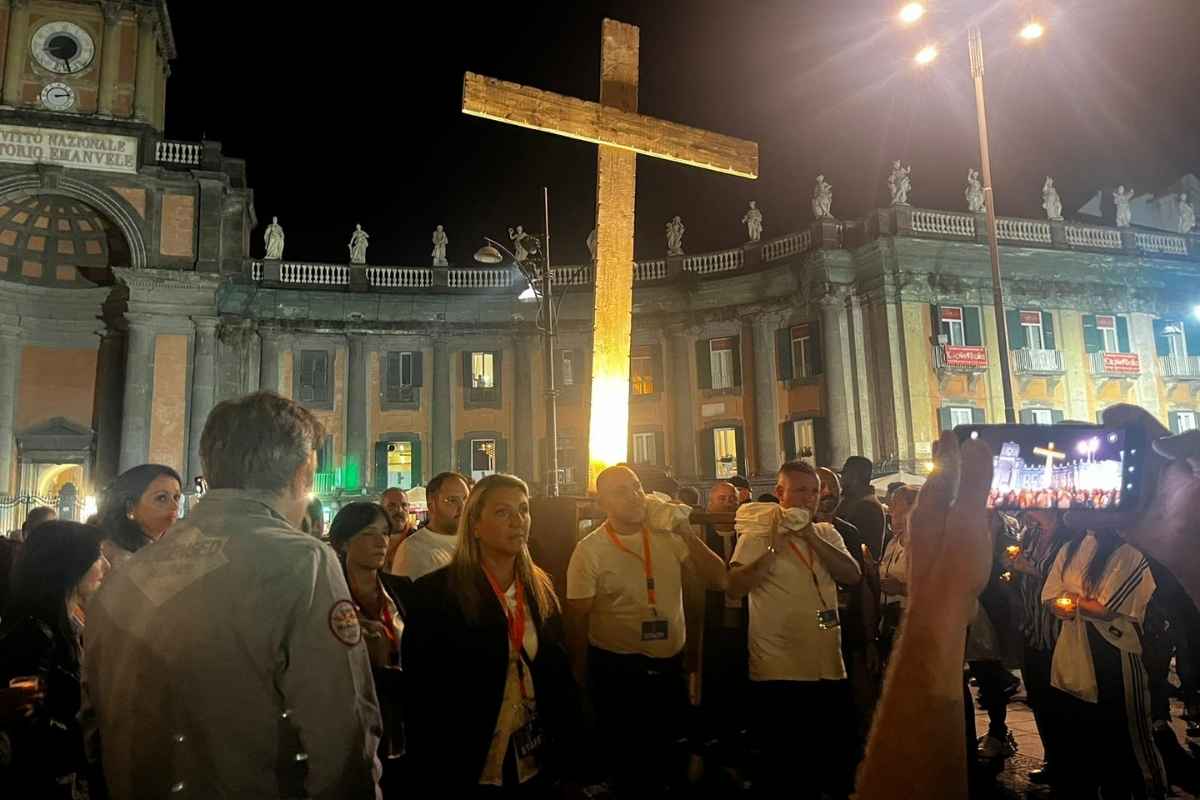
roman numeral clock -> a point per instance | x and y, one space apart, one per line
65 49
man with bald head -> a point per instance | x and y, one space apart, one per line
625 630
395 503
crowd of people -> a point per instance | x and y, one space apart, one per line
1061 498
812 642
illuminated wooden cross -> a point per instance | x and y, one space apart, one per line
1051 455
622 134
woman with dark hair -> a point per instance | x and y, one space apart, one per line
488 628
41 640
137 508
1099 587
359 534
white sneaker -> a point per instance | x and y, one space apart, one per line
993 747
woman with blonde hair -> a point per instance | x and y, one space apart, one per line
488 629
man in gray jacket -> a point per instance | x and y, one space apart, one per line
226 661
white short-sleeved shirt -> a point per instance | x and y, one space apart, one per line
616 579
786 640
423 552
895 565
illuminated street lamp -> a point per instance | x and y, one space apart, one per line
1032 31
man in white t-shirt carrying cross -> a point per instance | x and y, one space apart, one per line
625 631
432 547
800 700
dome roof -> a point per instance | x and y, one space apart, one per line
49 240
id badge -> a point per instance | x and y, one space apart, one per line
827 619
527 744
654 630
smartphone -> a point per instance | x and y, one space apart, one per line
1063 467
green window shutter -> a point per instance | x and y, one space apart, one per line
823 443
418 368
381 455
1025 416
463 448
1093 340
708 453
816 363
1173 421
944 419
660 449
1056 416
656 369
935 312
739 441
466 369
502 455
737 361
1048 330
788 435
972 327
1123 335
978 416
783 354
703 364
1016 331
498 373
1162 345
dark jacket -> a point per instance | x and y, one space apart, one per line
390 682
456 672
865 513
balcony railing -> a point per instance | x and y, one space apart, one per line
708 263
1117 365
943 223
1161 243
1039 362
1180 367
786 246
578 275
1023 230
314 274
1097 238
960 358
650 270
178 154
400 277
479 278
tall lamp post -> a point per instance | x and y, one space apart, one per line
910 14
537 275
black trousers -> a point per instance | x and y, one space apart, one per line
993 680
1053 727
805 731
724 677
641 705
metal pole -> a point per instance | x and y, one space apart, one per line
975 44
548 331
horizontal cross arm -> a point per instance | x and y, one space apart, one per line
591 122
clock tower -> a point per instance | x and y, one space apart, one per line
104 60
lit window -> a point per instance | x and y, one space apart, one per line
805 441
483 374
1107 325
952 326
725 452
483 458
1031 323
400 464
721 359
801 352
1185 421
1041 416
643 449
961 416
641 375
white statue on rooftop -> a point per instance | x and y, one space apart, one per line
1051 202
974 193
518 238
273 238
358 245
1187 215
591 243
1122 198
753 220
900 183
675 231
440 240
822 199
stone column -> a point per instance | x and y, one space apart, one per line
678 358
204 385
864 372
17 51
523 405
111 377
766 397
139 377
839 391
356 408
441 410
268 364
10 367
110 58
147 70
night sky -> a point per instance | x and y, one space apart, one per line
356 118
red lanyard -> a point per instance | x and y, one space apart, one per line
808 562
385 614
646 560
516 619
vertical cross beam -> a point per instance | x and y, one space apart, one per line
613 320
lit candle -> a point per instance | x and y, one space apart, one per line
1013 550
1065 603
1006 576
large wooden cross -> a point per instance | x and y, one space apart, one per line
622 134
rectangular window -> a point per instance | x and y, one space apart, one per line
400 464
1185 421
802 355
961 416
566 370
314 376
399 381
1031 323
643 449
725 452
952 326
1173 333
566 461
641 375
721 358
1041 416
1107 326
483 375
483 458
803 435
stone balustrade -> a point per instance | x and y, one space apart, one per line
179 154
708 263
650 270
943 223
1093 237
1023 230
1161 243
400 277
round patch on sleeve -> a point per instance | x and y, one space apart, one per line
343 621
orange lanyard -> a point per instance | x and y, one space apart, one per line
516 619
646 560
808 562
385 614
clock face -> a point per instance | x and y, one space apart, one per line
63 47
58 97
